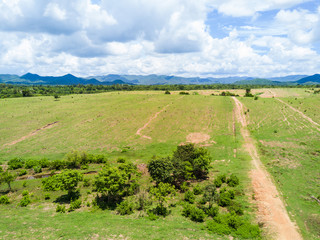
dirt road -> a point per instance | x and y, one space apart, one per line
271 210
150 120
50 125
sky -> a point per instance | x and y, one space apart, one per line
217 38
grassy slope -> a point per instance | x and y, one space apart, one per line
290 146
107 123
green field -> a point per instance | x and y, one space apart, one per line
107 123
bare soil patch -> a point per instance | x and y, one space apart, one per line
197 138
50 125
271 209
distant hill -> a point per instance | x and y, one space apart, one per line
314 79
153 79
67 79
260 81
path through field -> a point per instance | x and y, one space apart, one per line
316 125
150 120
271 210
50 125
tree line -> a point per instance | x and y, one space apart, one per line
14 91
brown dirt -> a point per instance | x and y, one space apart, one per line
150 120
50 125
197 138
271 210
143 169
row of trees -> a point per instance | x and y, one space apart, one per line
10 90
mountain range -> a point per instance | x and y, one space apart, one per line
113 79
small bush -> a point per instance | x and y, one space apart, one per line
4 199
76 204
217 182
212 211
44 163
236 208
152 216
225 199
86 182
37 169
57 164
197 190
121 160
47 196
233 180
125 208
167 92
30 163
209 193
25 193
61 208
184 187
189 196
15 163
25 201
22 172
24 184
194 213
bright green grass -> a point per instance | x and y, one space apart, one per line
107 123
290 148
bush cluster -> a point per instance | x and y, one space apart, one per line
4 199
194 213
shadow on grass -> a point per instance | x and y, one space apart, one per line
67 198
105 202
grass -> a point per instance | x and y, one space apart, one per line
289 146
107 123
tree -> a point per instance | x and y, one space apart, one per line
117 183
190 162
162 194
68 180
161 170
8 178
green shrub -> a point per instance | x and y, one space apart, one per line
236 208
47 196
189 197
4 199
167 92
233 180
121 160
24 184
1 169
22 172
61 208
25 201
194 213
76 204
152 216
44 163
96 158
218 228
212 211
249 231
161 170
209 193
57 164
15 163
217 182
224 199
25 193
86 182
84 167
125 208
37 169
184 187
197 190
30 163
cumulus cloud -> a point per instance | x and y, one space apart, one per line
160 36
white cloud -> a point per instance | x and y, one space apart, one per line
160 36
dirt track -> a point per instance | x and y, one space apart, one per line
50 125
271 210
150 120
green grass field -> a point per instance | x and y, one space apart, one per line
107 123
290 149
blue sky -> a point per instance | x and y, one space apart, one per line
258 38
